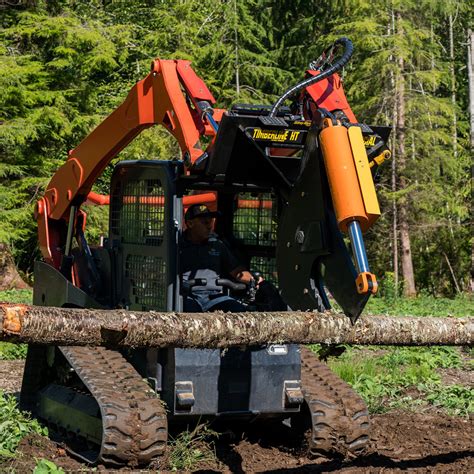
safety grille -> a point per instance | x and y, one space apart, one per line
267 267
138 212
255 225
147 276
254 221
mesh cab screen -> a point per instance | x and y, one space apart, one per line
266 266
256 227
147 276
253 219
138 212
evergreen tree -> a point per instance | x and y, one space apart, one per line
65 65
52 74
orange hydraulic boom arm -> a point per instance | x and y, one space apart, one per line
157 99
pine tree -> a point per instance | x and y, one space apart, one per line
65 65
52 73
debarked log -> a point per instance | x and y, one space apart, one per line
122 328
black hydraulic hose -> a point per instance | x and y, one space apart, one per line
339 64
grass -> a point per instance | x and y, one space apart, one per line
191 448
14 426
455 399
461 306
10 351
43 466
385 376
382 377
16 296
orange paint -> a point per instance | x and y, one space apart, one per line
342 176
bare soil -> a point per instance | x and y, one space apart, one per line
428 441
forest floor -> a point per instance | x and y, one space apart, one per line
425 440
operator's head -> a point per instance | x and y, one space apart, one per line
199 219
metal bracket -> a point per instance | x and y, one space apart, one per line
184 398
293 395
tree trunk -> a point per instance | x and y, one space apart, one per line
121 328
236 39
394 170
470 73
9 277
406 257
453 86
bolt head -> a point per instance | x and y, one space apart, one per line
299 237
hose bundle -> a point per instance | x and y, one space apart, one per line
339 64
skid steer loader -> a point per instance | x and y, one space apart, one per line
288 182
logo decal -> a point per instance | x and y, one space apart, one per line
278 136
370 140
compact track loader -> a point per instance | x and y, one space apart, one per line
289 182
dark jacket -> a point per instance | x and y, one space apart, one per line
210 260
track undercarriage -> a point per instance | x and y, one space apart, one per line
100 402
97 401
339 417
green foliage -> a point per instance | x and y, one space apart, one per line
43 466
53 71
10 351
430 357
64 65
422 305
455 399
16 296
14 426
192 447
382 377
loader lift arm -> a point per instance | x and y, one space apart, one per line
158 99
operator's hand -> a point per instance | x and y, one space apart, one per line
242 275
258 278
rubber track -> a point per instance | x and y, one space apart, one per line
133 418
339 416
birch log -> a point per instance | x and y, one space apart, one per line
122 328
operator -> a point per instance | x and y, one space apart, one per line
204 255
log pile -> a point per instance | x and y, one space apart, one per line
122 328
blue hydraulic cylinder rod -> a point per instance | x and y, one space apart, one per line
211 121
358 247
207 113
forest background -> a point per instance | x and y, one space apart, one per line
66 64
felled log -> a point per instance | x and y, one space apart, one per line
122 328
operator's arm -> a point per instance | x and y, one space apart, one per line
235 269
242 275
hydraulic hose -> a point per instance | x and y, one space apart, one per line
339 64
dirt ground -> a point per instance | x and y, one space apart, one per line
427 441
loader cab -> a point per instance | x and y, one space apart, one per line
146 220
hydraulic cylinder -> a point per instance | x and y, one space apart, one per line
352 192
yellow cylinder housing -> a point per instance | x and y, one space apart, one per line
349 176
